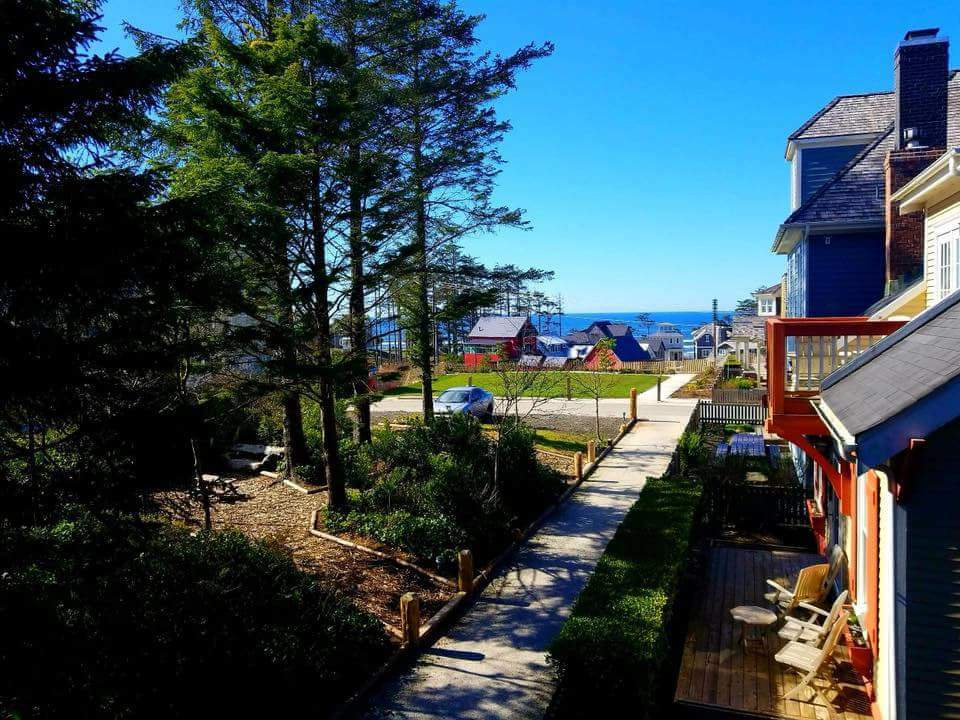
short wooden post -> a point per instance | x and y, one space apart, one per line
658 387
465 571
633 403
578 466
591 451
569 389
410 618
470 380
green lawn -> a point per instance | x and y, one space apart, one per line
558 441
618 387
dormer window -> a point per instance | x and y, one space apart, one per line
767 306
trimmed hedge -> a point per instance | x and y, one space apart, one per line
610 652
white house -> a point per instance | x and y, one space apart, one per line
671 339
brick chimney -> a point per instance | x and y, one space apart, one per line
920 69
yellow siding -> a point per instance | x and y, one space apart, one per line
942 214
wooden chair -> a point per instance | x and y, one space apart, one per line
810 631
811 662
812 585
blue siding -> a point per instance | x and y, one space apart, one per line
927 554
797 280
844 273
817 165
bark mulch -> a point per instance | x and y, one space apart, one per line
269 510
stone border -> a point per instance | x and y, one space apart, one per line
454 608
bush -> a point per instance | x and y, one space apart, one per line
610 653
429 489
132 620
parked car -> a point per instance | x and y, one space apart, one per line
469 400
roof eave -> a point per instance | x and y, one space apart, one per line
929 184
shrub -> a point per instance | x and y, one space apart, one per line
139 620
610 653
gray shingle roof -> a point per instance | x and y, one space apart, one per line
853 194
850 115
492 326
897 372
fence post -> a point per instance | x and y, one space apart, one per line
470 380
633 403
410 618
578 466
658 387
591 451
569 390
465 571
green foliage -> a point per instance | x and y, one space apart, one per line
131 620
429 489
692 451
739 383
610 652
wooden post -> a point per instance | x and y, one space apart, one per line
591 451
465 571
410 618
633 403
470 380
569 389
659 377
578 466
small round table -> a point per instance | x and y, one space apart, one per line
754 617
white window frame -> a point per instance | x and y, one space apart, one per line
766 306
947 269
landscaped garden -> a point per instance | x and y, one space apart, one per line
618 385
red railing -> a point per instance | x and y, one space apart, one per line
801 352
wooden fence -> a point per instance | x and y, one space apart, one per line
721 413
662 367
753 506
752 396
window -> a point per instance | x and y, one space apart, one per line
948 261
766 306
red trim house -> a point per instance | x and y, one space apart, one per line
514 334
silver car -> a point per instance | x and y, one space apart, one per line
469 400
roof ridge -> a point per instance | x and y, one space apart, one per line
853 162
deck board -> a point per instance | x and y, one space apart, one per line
716 672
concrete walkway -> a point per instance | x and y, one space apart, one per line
493 663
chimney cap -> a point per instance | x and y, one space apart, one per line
920 36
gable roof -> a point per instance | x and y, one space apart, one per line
610 329
578 337
905 386
850 115
772 290
494 326
627 349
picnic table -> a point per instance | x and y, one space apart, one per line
747 444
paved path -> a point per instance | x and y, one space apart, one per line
493 664
609 407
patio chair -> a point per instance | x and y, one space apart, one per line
815 585
810 631
811 662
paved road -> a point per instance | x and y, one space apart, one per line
609 407
493 663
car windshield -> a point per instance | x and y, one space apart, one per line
454 396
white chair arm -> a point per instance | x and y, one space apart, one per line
781 588
813 608
804 623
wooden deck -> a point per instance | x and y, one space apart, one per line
716 673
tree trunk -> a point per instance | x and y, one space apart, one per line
358 319
422 310
333 470
295 450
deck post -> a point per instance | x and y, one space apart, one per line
410 618
465 571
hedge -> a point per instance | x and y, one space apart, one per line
610 652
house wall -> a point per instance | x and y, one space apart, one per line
819 164
797 281
845 273
940 217
927 555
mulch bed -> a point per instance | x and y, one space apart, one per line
271 511
701 387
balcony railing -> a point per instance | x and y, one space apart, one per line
801 352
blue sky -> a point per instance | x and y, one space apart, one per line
648 150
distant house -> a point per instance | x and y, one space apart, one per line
552 346
597 331
625 349
670 338
707 337
515 334
769 301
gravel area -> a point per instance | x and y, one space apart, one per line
272 511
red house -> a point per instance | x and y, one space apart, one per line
490 332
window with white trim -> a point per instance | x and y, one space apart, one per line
948 261
766 306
